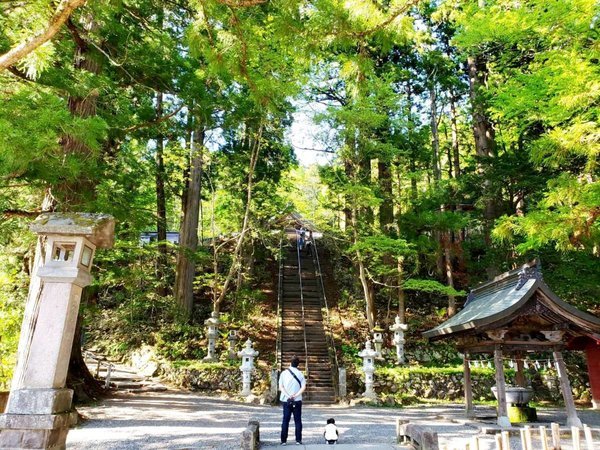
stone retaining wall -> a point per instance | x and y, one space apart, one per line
408 385
215 379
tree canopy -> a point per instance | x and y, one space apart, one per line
463 137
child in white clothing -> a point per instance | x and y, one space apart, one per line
331 432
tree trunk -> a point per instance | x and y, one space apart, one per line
446 235
362 275
483 131
401 292
347 201
85 387
74 195
161 207
188 238
386 209
246 223
435 138
455 141
365 179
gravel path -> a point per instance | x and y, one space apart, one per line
183 420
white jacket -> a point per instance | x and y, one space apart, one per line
331 433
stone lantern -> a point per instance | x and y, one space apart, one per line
378 339
368 355
247 354
212 331
399 329
232 338
37 413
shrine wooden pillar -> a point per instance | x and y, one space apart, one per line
469 410
520 379
592 353
565 387
503 420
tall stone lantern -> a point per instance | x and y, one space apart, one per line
232 337
399 329
212 332
378 339
37 413
247 354
368 355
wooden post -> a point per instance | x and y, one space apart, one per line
498 439
565 387
503 420
470 412
506 440
555 435
528 438
523 440
520 379
575 437
587 431
475 443
544 438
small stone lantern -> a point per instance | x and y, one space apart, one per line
212 331
37 414
232 338
399 329
247 354
378 339
368 355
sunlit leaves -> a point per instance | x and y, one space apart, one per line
566 218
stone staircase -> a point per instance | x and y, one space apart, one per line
316 362
122 377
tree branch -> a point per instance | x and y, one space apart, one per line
62 13
393 16
155 121
242 3
9 213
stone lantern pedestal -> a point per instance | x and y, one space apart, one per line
399 329
247 354
368 355
212 332
37 413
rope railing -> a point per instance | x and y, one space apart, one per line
330 336
278 349
302 305
101 361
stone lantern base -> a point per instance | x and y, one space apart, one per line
36 419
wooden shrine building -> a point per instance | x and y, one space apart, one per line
517 313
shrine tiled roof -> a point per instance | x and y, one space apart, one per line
501 297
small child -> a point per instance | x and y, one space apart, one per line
331 432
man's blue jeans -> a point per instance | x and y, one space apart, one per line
294 408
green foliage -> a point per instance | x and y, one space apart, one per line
13 292
566 217
431 286
179 341
404 373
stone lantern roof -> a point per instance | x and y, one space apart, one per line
97 228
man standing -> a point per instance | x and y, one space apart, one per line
292 384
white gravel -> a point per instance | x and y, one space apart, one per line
183 420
